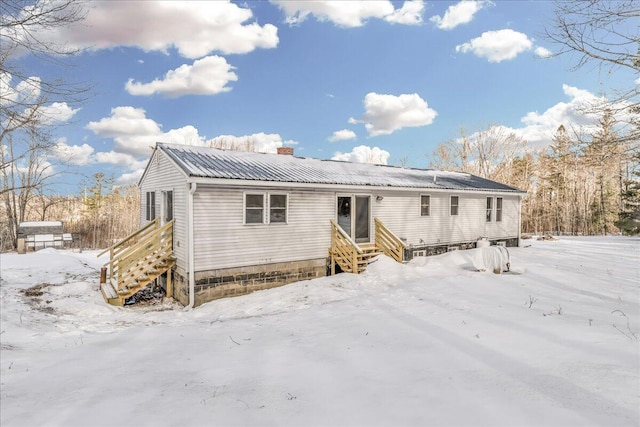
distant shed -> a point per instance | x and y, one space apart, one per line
42 234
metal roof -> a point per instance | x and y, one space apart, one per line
204 162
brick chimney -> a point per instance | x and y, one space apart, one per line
288 151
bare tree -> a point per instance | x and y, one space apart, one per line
29 104
487 153
604 33
25 100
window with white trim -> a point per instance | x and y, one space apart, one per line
265 208
254 208
425 205
498 209
277 208
151 206
455 203
489 209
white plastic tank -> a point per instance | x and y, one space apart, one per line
483 243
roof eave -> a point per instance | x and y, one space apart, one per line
227 182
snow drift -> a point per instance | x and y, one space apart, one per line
432 342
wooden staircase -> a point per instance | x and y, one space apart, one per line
138 260
354 258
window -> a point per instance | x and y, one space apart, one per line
498 209
489 209
454 205
168 206
254 208
151 206
425 205
277 208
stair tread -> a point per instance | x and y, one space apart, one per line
108 291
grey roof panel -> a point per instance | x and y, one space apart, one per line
204 162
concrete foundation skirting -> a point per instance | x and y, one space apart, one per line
225 282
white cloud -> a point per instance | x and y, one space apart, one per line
207 76
385 114
497 46
258 142
76 155
130 178
637 81
121 159
458 14
195 29
133 133
58 112
342 135
580 111
543 52
27 91
351 13
409 14
364 154
25 99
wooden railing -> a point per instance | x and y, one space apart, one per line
139 253
389 243
344 251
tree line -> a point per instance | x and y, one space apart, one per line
585 182
582 184
100 216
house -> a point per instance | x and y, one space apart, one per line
243 221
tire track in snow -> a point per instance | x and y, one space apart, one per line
565 394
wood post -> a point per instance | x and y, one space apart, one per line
169 283
354 267
103 275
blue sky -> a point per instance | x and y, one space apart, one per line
372 81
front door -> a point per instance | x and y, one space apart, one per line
354 217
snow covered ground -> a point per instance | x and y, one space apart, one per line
432 342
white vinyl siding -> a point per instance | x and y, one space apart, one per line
400 212
223 240
162 175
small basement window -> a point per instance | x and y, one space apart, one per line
254 208
425 205
498 209
277 208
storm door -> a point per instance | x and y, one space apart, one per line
354 217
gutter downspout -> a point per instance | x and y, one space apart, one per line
191 267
